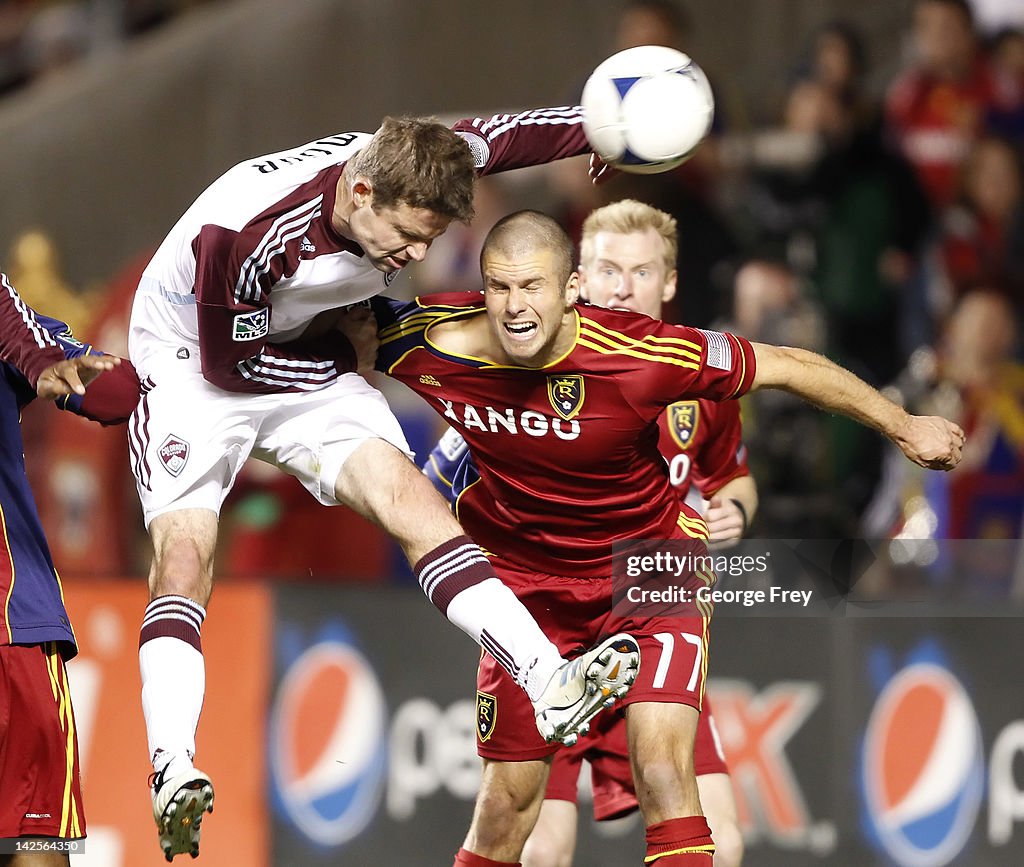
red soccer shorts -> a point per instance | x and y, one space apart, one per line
40 792
607 751
575 614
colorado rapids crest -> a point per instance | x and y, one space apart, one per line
566 394
683 418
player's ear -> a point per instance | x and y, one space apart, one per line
362 192
669 292
572 289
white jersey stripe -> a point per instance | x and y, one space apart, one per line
535 121
304 375
502 121
252 271
42 337
294 363
301 386
260 255
282 230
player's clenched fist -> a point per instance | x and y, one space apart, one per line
931 441
72 375
359 325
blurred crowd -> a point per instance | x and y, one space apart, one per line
884 229
39 38
882 226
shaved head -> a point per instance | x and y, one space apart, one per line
526 232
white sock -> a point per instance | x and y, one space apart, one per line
173 681
494 617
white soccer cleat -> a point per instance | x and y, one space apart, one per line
583 686
178 807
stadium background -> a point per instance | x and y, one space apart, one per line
339 727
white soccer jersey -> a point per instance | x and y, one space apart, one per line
255 258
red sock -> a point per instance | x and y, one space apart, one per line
464 858
680 843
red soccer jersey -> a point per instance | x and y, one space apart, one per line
568 451
702 442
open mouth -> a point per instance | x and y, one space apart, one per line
521 330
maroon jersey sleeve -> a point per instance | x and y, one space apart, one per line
234 322
530 138
721 456
24 341
111 397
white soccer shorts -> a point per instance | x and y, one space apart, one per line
189 438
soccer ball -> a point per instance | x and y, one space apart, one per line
646 109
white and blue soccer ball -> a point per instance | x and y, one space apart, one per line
646 109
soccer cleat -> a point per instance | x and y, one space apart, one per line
178 807
583 686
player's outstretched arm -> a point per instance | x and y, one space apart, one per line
527 138
930 441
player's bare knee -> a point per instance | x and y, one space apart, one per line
183 548
182 567
661 784
181 573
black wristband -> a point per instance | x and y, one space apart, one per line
743 513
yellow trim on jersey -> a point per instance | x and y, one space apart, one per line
401 358
493 365
426 313
405 327
654 339
458 499
743 369
622 342
685 348
440 475
688 850
10 590
693 527
586 337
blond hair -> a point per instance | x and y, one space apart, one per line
624 218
